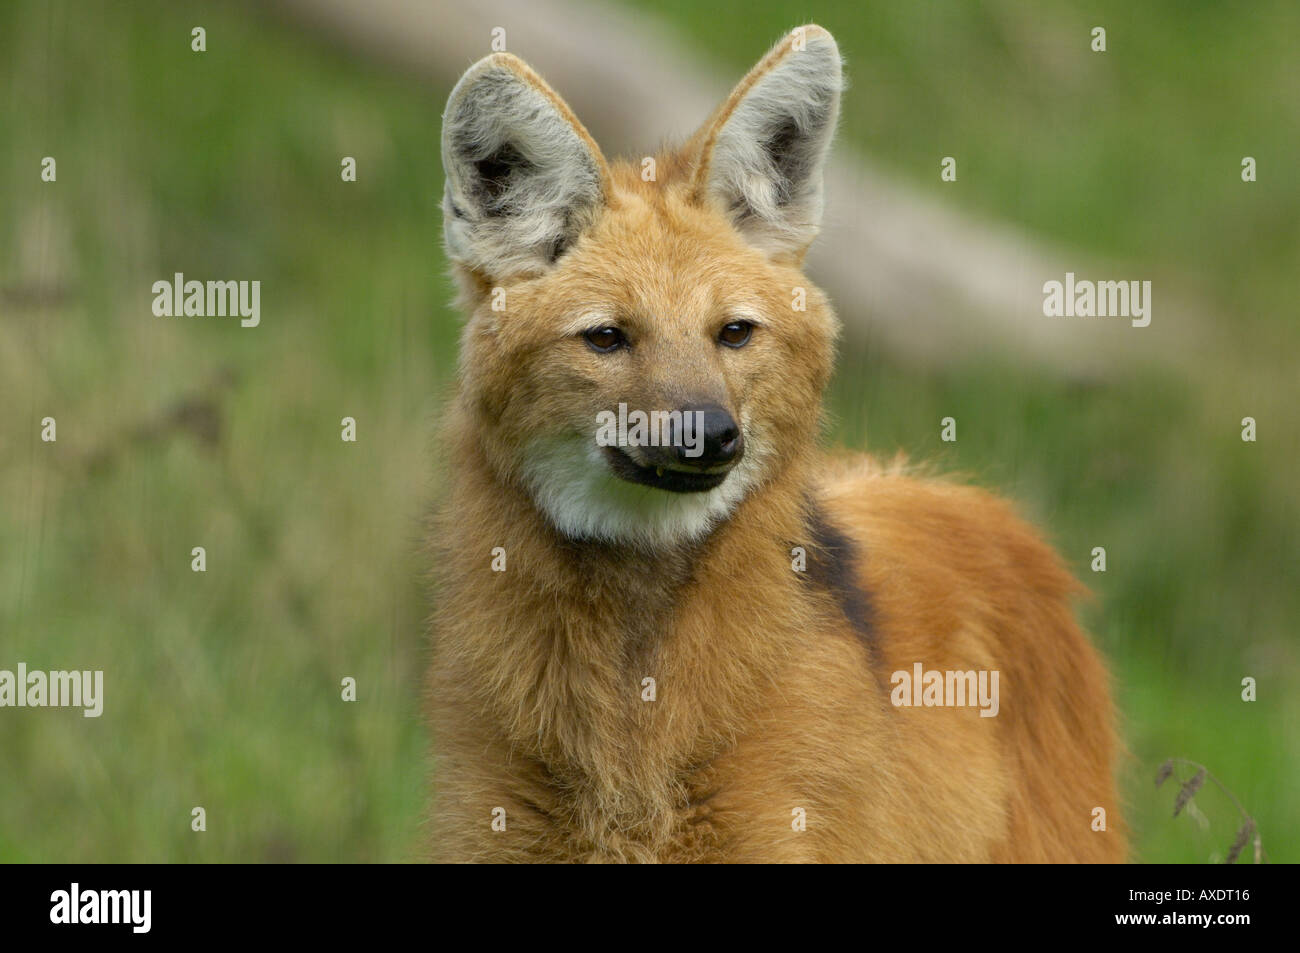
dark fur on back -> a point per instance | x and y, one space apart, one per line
833 564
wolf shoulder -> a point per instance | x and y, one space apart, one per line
942 561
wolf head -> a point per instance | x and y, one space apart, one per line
643 351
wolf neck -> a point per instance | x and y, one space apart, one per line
563 640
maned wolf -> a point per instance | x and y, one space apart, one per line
728 648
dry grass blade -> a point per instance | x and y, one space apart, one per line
1188 791
1166 769
1240 840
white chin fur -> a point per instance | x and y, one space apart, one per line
573 485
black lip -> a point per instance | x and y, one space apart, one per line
674 481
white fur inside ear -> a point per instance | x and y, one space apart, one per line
767 160
521 182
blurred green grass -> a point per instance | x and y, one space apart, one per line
223 688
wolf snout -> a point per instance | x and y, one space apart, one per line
707 436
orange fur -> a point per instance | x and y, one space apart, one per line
769 697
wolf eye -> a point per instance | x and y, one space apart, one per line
604 339
736 334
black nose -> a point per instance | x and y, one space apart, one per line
709 437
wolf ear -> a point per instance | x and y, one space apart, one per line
524 178
762 154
